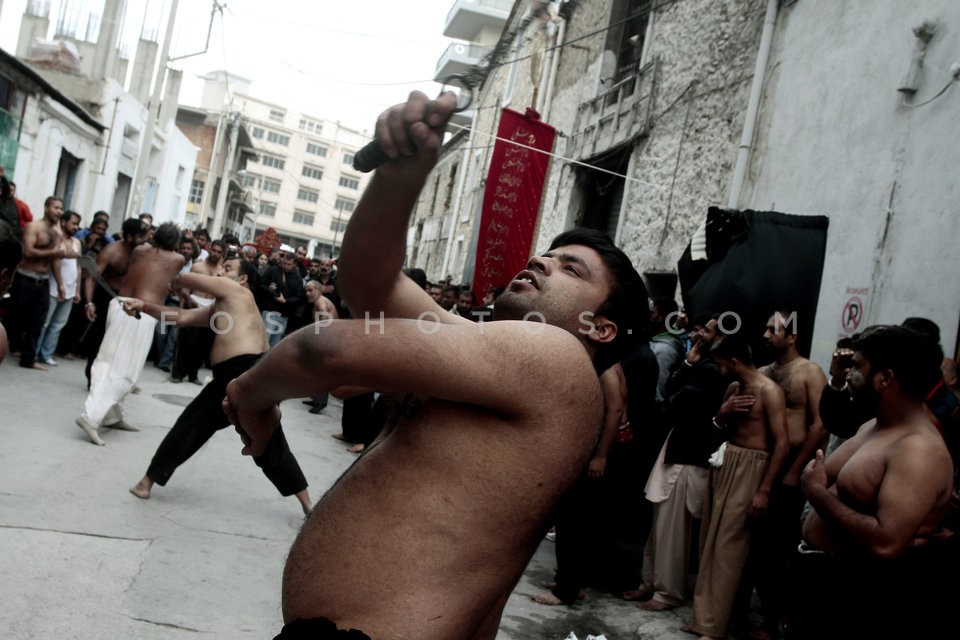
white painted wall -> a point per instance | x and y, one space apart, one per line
837 140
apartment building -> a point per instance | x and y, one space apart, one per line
301 181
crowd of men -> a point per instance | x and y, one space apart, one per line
658 447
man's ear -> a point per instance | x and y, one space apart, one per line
601 330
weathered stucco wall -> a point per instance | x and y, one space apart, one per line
837 139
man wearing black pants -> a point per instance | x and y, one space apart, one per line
239 343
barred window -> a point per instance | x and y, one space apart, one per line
316 149
278 138
271 186
349 183
312 172
301 217
308 195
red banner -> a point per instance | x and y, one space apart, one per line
511 199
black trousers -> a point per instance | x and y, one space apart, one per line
26 311
99 328
193 348
204 416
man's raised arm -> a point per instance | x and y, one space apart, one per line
370 278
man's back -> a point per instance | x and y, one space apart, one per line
150 272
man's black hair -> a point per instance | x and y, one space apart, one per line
132 227
101 214
229 238
418 275
167 236
219 243
69 214
249 269
200 231
703 319
926 326
452 287
733 345
913 356
626 303
11 249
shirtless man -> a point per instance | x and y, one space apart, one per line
194 342
240 341
802 382
127 340
459 494
866 566
321 311
113 262
11 252
754 417
30 296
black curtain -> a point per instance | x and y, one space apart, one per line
757 262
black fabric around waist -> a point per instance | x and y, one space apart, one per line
318 629
233 367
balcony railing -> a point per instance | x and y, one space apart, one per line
619 114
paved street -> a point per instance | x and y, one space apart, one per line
82 558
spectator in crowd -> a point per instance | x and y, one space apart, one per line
878 502
29 299
744 469
449 296
194 342
166 338
24 215
282 287
11 252
435 291
665 343
64 289
95 237
8 205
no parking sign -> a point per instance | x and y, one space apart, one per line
854 310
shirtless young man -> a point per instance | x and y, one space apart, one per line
113 262
29 296
867 564
802 382
127 340
458 496
240 340
194 342
754 418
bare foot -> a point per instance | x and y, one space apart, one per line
305 502
549 585
654 605
90 429
136 389
142 488
582 594
39 367
637 594
122 425
547 599
69 356
337 436
688 629
357 448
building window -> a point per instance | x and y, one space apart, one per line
278 138
344 205
312 172
268 209
308 195
348 158
349 183
311 126
251 181
272 161
270 186
277 116
301 217
338 226
257 132
316 149
196 191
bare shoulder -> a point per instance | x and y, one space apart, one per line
811 372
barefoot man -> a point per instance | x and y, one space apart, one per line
113 262
127 340
29 295
741 479
867 566
240 340
459 494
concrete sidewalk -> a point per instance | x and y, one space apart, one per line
82 558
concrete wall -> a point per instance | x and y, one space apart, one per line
836 138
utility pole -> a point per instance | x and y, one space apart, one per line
153 112
216 229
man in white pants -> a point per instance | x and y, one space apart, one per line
127 340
